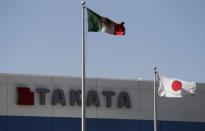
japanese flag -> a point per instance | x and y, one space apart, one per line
171 87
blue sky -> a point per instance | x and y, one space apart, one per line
44 37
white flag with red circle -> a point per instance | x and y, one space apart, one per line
171 87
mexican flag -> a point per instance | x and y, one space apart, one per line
97 23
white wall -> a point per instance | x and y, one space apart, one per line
141 93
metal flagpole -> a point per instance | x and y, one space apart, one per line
155 109
83 119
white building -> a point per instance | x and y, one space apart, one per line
112 105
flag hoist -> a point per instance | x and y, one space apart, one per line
83 119
155 104
96 23
170 87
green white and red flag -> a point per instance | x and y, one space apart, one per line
97 23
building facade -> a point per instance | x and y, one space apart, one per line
52 103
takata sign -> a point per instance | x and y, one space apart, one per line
73 98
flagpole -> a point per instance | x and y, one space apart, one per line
83 119
155 109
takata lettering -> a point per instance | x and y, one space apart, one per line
58 97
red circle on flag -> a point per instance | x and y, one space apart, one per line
176 85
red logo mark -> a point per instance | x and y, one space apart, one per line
25 96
